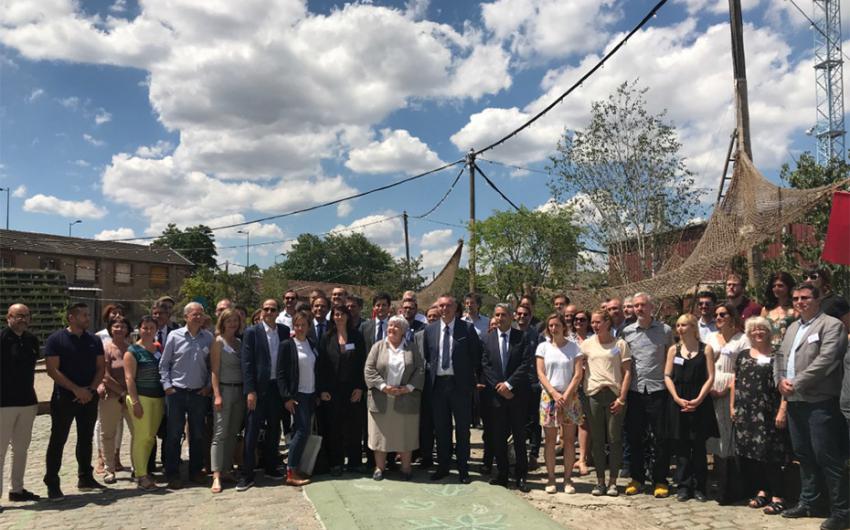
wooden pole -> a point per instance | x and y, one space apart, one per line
406 246
470 163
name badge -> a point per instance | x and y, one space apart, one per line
726 351
615 350
814 337
157 354
679 360
763 360
205 349
349 346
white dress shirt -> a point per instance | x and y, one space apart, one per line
285 319
450 370
274 342
395 367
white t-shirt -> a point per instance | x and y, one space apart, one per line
306 363
559 363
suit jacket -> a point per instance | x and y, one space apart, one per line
466 352
413 329
368 329
314 331
288 372
256 358
817 360
517 372
333 370
376 371
845 386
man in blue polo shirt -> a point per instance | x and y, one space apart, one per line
74 359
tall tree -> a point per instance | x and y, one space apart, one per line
524 249
339 258
196 243
625 174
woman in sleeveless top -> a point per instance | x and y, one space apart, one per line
778 309
228 403
689 376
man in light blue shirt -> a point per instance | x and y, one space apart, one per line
706 302
185 373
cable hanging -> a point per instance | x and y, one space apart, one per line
445 196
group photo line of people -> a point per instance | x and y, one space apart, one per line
761 390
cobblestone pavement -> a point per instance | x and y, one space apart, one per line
272 504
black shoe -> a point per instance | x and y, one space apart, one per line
463 478
499 481
407 477
23 496
175 484
378 475
89 484
683 494
439 474
835 523
336 471
244 483
274 474
797 511
426 464
522 485
486 469
54 493
700 496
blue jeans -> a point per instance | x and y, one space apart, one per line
819 437
178 406
303 420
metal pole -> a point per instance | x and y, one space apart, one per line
8 190
406 245
247 250
470 163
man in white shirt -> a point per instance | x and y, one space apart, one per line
290 300
706 302
320 309
472 304
375 329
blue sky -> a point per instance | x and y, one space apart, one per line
130 115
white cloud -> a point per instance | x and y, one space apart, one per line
416 9
388 234
102 117
397 151
344 208
34 95
93 141
435 238
52 205
158 150
435 259
119 6
20 192
81 163
118 233
70 103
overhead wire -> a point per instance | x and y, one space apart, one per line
492 185
513 166
815 26
443 198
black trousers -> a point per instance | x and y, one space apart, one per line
762 476
508 418
484 406
426 427
63 411
648 411
533 431
452 401
267 414
691 464
342 428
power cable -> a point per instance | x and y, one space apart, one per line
512 166
492 185
578 83
445 196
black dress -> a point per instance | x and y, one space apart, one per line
689 375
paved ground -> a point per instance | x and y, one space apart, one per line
195 507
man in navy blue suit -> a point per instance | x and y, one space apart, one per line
453 351
260 345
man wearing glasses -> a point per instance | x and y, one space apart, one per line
290 300
831 303
259 383
706 302
18 403
808 374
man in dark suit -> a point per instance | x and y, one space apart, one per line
375 329
260 346
506 364
453 351
409 310
319 307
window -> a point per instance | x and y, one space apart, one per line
86 270
48 263
123 273
159 276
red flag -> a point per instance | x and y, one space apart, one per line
837 246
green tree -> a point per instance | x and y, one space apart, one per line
526 249
401 277
623 172
338 258
210 285
195 243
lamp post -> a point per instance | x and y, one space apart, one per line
247 248
78 221
8 190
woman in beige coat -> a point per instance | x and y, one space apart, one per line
395 375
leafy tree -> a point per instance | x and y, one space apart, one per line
210 285
401 277
525 249
196 243
624 172
338 258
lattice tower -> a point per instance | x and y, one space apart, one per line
829 81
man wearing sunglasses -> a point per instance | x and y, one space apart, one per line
706 302
808 374
290 300
831 303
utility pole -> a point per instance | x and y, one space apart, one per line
470 163
739 69
8 190
406 244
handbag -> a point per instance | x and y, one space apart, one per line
311 451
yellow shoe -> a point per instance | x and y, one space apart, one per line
662 491
633 488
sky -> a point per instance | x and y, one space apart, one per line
129 115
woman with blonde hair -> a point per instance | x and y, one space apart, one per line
228 402
559 405
689 376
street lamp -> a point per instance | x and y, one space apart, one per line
78 221
7 190
247 248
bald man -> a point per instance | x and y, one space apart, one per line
18 403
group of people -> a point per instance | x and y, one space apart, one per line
756 386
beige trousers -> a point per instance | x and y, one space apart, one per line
111 412
16 430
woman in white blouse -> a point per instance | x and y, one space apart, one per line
395 375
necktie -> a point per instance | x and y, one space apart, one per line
447 339
160 338
321 329
504 352
380 334
409 337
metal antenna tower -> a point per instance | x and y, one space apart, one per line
829 80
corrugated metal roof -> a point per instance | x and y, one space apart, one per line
34 242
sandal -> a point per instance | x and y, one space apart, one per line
775 508
216 486
759 501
